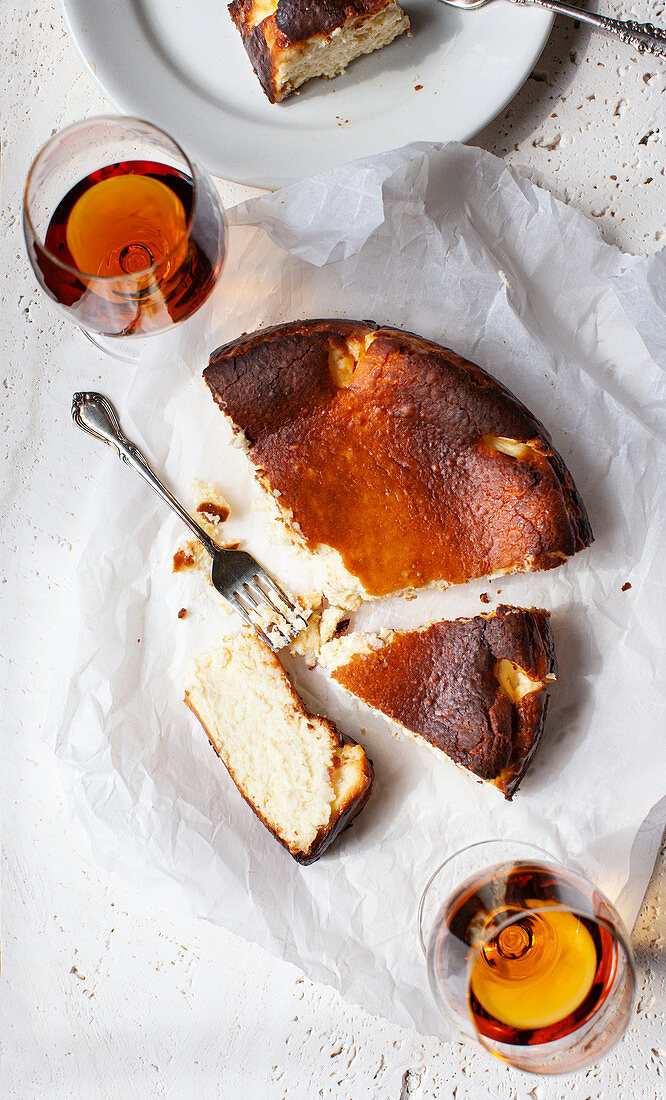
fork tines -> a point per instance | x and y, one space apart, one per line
257 599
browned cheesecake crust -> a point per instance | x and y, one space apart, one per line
414 464
446 683
261 43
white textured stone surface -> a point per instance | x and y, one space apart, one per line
101 996
590 125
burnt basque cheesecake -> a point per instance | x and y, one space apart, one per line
397 462
303 779
291 41
474 689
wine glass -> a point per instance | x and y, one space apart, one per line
123 231
526 956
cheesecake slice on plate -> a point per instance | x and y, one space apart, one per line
291 41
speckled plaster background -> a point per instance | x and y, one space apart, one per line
101 996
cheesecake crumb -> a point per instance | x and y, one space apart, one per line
183 559
213 512
324 624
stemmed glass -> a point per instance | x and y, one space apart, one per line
123 231
526 957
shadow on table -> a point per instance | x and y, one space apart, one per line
553 74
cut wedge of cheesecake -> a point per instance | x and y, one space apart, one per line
291 41
395 461
302 778
474 689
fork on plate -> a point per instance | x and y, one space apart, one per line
244 583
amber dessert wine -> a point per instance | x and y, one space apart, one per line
532 962
129 248
130 219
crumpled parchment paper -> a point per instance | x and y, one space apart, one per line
445 241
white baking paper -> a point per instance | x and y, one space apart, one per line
448 242
640 285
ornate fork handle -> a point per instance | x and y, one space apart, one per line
96 415
647 32
645 37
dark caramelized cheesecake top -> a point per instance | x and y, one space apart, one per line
299 19
414 464
474 688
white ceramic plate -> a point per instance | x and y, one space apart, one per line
181 65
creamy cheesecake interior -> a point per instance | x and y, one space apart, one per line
294 768
328 56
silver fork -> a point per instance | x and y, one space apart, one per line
644 37
235 574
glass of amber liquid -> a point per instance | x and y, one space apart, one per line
123 231
526 957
